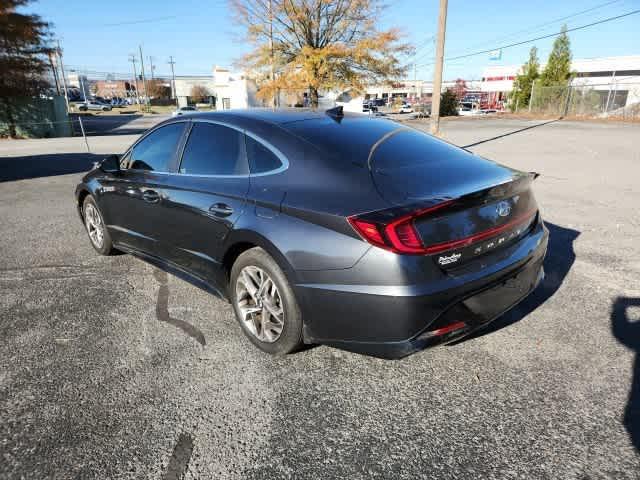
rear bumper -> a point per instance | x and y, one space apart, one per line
396 325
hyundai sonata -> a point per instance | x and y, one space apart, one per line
323 227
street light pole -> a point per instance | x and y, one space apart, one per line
64 81
132 59
173 80
437 75
144 79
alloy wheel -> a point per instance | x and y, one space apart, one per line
94 225
259 303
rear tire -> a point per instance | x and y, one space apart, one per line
264 303
96 228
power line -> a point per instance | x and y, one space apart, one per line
427 42
551 22
95 71
481 52
136 22
155 19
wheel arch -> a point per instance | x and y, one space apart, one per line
82 193
240 241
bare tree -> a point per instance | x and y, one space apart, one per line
158 89
318 44
199 93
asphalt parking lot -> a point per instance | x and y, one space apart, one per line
113 369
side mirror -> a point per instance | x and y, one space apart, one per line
110 164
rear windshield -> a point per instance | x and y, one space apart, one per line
348 139
412 164
413 149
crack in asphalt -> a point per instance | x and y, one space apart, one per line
162 309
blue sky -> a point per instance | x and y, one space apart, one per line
200 34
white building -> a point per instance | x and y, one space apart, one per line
80 82
617 76
413 90
225 89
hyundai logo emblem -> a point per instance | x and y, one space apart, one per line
503 209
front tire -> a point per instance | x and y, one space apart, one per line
264 303
96 228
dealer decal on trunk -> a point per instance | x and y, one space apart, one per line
448 259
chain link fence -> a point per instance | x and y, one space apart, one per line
617 100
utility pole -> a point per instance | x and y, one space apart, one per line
437 74
84 93
273 78
54 70
151 65
64 81
173 80
132 59
144 79
533 87
415 81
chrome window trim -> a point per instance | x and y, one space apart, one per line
146 134
283 160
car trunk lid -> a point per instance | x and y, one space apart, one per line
449 203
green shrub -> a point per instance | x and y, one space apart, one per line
448 104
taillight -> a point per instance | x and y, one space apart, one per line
447 329
368 230
399 235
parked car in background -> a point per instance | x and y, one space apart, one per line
118 102
94 105
406 108
422 111
324 227
183 111
468 108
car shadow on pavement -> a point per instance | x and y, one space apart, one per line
49 165
162 309
557 263
511 133
627 332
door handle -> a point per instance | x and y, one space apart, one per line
221 209
151 196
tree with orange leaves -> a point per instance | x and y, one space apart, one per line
314 45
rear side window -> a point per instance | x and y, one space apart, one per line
157 150
260 157
214 150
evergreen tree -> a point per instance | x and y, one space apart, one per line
557 71
524 81
448 103
24 46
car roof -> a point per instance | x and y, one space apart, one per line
277 117
348 137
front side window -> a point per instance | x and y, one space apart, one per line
214 149
157 150
260 157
